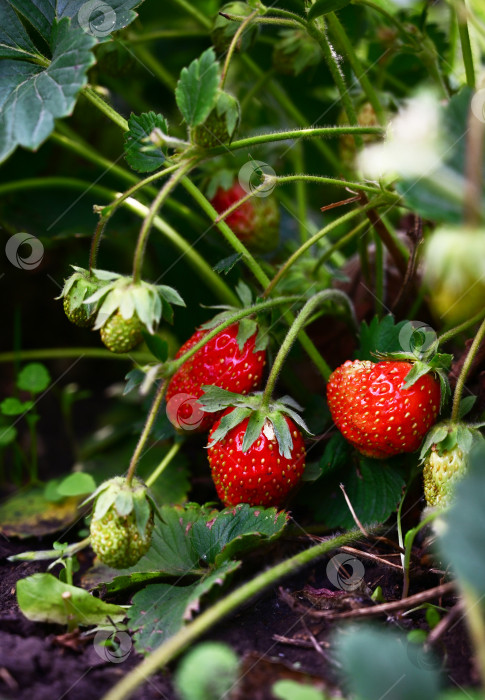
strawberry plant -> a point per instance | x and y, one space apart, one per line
242 383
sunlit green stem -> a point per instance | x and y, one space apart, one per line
164 463
448 335
150 420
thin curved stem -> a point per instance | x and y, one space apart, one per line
460 384
448 335
146 227
104 107
232 47
190 8
357 186
150 420
338 244
295 328
96 240
164 463
188 634
66 353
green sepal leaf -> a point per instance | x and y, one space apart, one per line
124 502
253 430
40 599
34 377
141 152
197 88
227 106
466 405
103 503
215 399
247 327
434 436
244 293
170 295
282 433
228 422
323 7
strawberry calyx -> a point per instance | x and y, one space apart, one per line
118 293
269 420
81 285
124 498
424 363
448 435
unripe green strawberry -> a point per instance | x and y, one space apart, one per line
454 271
122 334
224 29
116 539
122 522
445 458
441 472
221 124
78 287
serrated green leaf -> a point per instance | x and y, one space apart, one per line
247 327
14 40
40 599
226 264
160 610
32 97
323 7
34 377
13 407
77 484
141 153
379 336
196 90
337 454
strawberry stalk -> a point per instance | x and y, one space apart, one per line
152 212
295 328
233 45
157 402
460 384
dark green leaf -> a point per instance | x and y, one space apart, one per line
337 455
379 336
323 7
463 540
196 90
142 154
157 346
374 662
40 599
226 264
160 610
14 40
32 97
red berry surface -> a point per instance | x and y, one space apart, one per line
375 413
219 363
261 476
255 222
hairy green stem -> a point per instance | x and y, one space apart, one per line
448 335
338 244
164 463
150 420
232 47
199 16
337 182
192 631
155 206
460 384
104 107
340 34
295 328
317 31
66 353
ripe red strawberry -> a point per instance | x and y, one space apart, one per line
373 410
261 475
222 363
256 222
